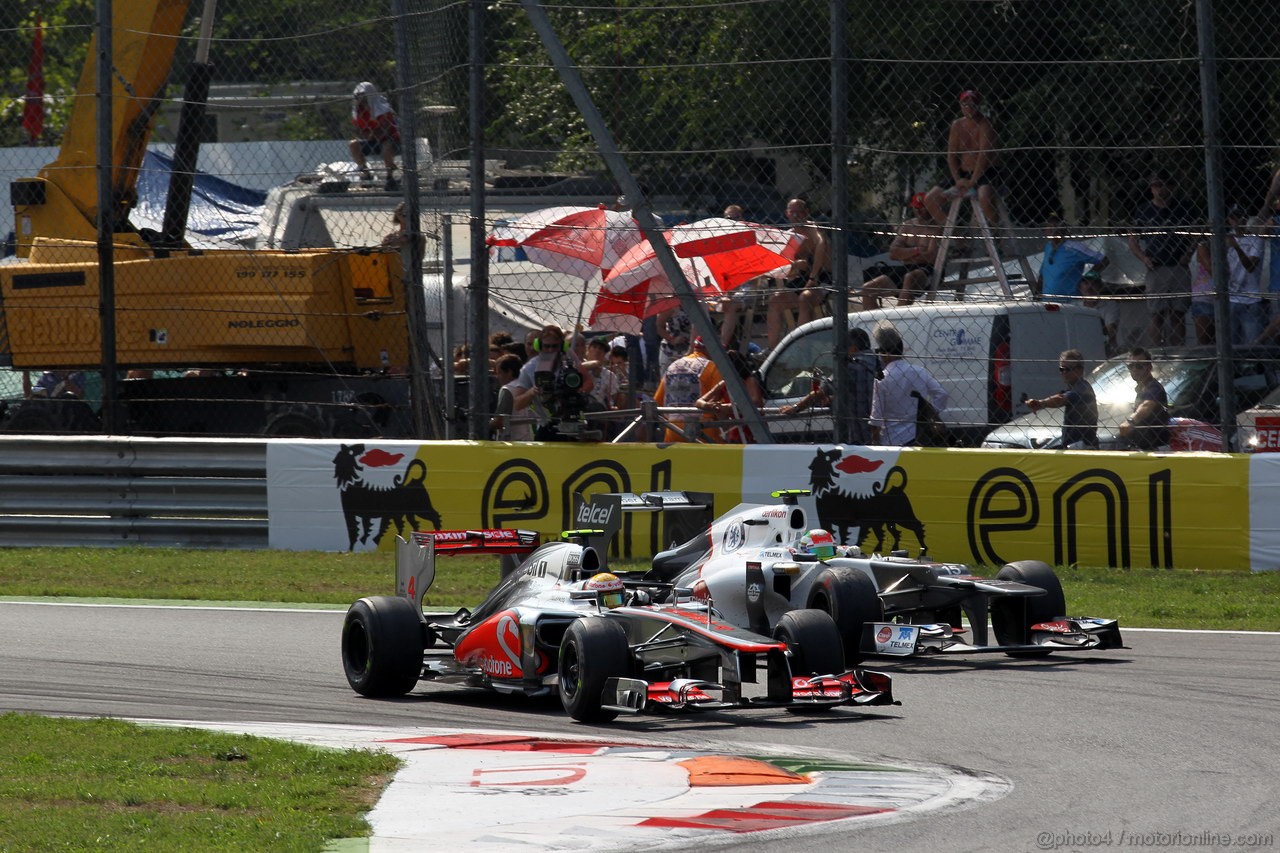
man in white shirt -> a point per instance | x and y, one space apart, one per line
893 408
606 389
1244 279
510 422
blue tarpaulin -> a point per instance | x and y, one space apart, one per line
221 213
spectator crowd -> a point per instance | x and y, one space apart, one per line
558 385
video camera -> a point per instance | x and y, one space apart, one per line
561 391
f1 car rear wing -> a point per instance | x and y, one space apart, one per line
416 558
605 510
489 541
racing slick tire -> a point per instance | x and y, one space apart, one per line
1007 613
593 651
849 597
814 641
382 646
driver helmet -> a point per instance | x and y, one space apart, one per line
818 543
609 590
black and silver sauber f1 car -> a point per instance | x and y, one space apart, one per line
608 644
758 563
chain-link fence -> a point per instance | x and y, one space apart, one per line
1019 178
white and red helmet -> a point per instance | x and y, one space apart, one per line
609 589
818 543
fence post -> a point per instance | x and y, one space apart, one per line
841 407
106 216
478 292
426 421
1217 220
446 327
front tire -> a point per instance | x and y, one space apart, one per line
849 597
814 641
1007 620
382 646
593 650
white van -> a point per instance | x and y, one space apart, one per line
989 356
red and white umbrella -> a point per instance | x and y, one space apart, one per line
624 312
731 252
716 255
578 241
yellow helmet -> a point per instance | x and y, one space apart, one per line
610 591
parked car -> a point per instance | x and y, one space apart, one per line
987 355
1190 377
1258 428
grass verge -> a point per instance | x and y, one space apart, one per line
1152 598
105 785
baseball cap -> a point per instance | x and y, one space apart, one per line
1236 210
971 95
917 201
698 343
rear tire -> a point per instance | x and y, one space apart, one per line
294 425
382 646
30 419
1006 615
44 415
814 641
594 649
849 597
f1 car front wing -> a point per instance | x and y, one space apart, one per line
1070 633
854 687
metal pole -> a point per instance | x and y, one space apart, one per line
1217 219
698 316
426 421
446 326
106 218
841 405
478 298
186 150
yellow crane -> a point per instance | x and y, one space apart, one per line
306 342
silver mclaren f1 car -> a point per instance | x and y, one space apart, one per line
606 644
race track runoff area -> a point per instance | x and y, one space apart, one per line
504 791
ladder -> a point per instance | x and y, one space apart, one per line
968 259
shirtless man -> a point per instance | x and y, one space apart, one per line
970 158
804 287
915 246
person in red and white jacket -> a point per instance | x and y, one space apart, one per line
379 132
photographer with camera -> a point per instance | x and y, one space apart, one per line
554 387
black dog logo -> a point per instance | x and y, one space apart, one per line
402 505
888 505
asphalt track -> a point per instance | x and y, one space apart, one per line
1169 744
